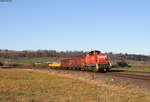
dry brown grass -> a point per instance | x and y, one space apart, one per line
32 86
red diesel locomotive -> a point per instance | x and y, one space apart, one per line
94 61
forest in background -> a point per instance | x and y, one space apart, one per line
11 54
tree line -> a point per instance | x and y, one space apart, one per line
66 54
126 56
40 53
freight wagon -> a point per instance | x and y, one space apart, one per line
73 63
94 61
54 65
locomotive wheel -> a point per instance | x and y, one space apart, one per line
107 69
83 69
103 71
79 68
66 68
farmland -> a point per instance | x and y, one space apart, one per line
32 86
139 66
29 61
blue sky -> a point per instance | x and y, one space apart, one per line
107 25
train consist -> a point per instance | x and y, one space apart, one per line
94 61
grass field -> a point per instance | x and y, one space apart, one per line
31 86
139 66
29 61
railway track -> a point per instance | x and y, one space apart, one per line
134 75
131 76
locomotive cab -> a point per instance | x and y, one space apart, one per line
95 52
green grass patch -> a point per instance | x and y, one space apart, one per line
140 66
30 86
29 61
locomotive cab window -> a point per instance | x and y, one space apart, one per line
94 52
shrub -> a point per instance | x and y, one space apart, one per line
122 64
15 64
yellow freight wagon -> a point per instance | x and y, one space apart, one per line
54 65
